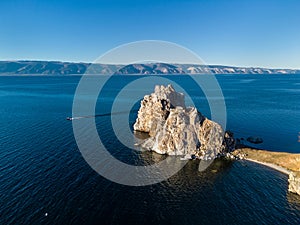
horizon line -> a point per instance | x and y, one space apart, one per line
208 64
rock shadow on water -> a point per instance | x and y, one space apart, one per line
293 200
190 178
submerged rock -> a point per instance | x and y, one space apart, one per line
175 129
294 183
255 140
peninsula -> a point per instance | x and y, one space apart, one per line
175 129
284 162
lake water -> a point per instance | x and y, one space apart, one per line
42 171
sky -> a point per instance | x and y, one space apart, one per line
264 33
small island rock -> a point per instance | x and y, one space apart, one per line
175 129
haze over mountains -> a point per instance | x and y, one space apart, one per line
69 68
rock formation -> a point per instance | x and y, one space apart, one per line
155 109
294 183
178 130
175 129
229 141
255 140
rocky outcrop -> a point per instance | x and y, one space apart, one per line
177 135
155 109
175 129
229 142
211 137
294 183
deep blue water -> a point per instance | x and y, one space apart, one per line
42 170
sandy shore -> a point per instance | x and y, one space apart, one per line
284 162
281 161
273 166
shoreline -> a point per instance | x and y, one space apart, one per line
270 165
286 163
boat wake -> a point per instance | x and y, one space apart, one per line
101 115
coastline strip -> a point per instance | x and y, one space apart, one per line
273 166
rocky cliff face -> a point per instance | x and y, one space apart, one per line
155 109
294 183
175 129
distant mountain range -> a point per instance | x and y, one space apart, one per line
68 68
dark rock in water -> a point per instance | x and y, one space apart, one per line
255 140
229 141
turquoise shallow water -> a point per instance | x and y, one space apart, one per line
42 170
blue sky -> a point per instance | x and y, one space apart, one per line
230 32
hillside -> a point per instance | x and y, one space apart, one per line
69 68
153 68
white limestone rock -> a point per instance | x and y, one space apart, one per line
177 136
211 137
175 129
155 109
